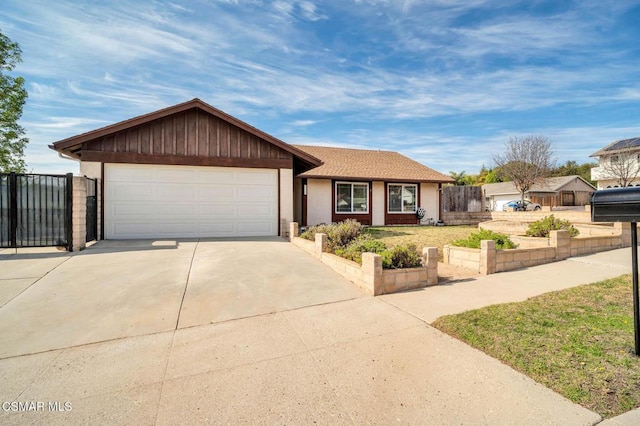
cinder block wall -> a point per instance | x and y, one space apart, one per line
79 214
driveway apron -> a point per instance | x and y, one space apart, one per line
118 289
242 278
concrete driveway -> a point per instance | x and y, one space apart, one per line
116 289
359 361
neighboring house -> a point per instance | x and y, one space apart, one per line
375 187
618 164
555 191
191 170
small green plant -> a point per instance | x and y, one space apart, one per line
542 227
343 233
404 256
364 243
473 241
348 239
339 235
310 233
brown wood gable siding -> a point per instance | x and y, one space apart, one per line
192 137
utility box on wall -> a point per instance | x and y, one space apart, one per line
616 205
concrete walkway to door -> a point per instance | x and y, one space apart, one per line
118 289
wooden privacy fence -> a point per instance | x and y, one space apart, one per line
462 199
563 198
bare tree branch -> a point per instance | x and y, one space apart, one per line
526 161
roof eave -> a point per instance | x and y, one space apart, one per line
369 178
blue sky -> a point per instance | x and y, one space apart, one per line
446 82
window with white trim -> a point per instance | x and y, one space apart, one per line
402 198
352 197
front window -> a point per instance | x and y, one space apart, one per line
402 198
352 197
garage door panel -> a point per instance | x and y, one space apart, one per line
220 176
215 192
256 178
150 201
173 192
129 175
218 211
252 194
255 212
174 175
252 228
133 192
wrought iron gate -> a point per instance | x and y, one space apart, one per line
92 209
35 210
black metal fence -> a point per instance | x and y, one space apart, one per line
35 210
92 209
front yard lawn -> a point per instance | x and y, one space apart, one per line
578 342
421 236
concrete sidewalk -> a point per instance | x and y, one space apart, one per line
360 361
430 303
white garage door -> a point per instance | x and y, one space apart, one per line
155 201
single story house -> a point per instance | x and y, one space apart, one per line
191 170
375 187
554 191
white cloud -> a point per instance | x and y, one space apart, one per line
333 72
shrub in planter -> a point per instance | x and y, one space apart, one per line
473 241
343 233
542 227
404 256
339 235
310 233
362 244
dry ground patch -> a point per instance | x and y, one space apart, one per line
421 236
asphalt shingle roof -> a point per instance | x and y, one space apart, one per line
350 163
551 184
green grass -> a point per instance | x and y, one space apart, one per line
578 342
421 236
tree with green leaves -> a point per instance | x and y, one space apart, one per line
573 168
12 98
460 178
526 161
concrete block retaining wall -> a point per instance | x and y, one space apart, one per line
559 246
370 277
520 228
508 260
574 216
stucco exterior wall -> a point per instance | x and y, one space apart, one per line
286 198
429 200
377 204
318 201
576 185
91 169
